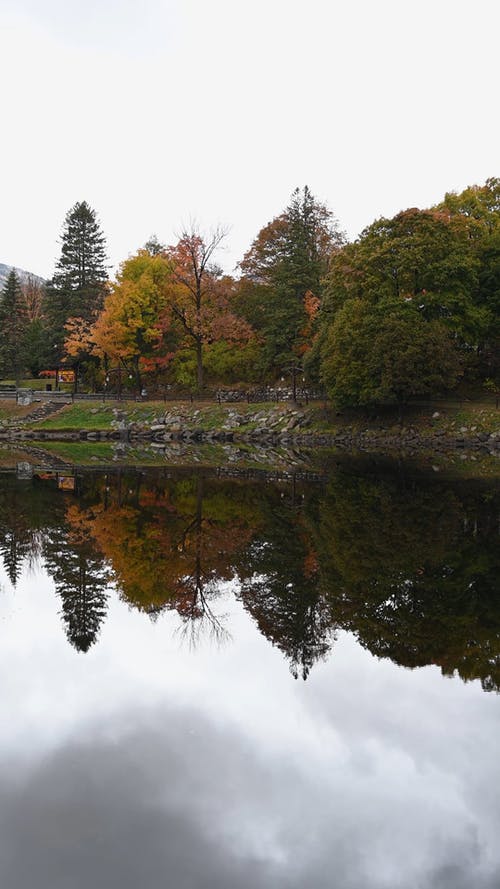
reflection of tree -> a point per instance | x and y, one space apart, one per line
171 545
13 551
280 589
407 564
81 579
411 569
20 532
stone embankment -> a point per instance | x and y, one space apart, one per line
285 426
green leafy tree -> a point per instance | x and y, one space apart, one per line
386 354
477 205
419 255
478 210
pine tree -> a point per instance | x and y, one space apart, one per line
78 287
286 263
12 327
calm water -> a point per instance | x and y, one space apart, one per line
246 684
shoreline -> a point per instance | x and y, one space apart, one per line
410 440
473 428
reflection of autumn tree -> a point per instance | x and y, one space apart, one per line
80 577
411 570
280 587
406 563
171 545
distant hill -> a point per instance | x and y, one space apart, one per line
22 274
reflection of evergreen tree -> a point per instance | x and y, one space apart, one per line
81 581
280 589
13 551
19 526
408 564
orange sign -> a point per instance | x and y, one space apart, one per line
66 376
66 483
62 376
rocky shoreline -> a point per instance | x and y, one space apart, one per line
159 435
289 427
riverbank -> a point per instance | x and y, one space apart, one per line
468 428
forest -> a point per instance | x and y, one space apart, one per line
410 308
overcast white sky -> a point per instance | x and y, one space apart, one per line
161 110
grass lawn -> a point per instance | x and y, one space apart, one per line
98 415
95 415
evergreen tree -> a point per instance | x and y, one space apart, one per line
284 266
12 327
78 287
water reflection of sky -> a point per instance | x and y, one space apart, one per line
146 764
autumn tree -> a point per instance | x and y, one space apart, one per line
199 302
133 329
32 302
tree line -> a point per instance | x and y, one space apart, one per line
406 562
410 307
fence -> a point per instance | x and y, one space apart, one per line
222 396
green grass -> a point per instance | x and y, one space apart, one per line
78 452
37 384
96 415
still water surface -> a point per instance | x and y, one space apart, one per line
240 683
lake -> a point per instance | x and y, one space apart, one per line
247 680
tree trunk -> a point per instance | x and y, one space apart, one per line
138 381
199 365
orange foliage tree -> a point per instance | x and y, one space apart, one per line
201 295
132 329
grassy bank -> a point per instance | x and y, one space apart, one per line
449 417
